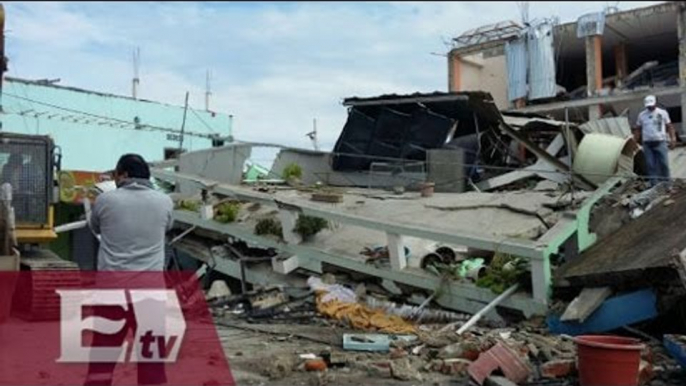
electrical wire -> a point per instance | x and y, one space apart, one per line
122 123
202 120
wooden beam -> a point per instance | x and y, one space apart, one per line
583 305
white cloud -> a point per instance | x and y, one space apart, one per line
275 66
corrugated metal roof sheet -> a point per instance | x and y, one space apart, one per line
516 58
541 62
618 126
518 122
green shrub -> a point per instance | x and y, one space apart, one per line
503 272
227 212
292 171
308 226
190 205
269 226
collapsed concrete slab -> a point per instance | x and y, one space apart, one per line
642 251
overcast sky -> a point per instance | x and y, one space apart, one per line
275 66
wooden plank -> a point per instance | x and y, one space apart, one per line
583 305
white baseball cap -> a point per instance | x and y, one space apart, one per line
649 101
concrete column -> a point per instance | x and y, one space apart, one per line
621 68
288 219
681 28
541 279
454 72
396 251
594 72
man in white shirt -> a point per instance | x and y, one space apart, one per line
655 131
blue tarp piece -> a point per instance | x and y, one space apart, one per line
614 313
676 348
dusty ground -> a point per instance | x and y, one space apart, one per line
253 356
256 358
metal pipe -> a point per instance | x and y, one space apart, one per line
487 309
183 234
71 226
476 317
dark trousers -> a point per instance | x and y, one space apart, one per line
101 374
657 161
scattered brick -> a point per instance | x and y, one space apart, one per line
560 368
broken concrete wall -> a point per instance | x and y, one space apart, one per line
486 73
316 167
224 164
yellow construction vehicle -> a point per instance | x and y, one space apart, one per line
29 165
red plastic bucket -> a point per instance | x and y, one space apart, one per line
608 360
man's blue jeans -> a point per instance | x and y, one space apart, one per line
657 161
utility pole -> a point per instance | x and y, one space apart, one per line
136 69
183 124
208 90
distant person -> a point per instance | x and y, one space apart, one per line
132 222
654 130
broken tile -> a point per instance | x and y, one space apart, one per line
500 356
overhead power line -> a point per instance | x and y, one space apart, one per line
121 123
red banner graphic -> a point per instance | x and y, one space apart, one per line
107 328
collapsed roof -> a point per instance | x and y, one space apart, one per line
402 127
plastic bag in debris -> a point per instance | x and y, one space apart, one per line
333 291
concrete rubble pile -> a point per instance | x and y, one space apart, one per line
488 354
567 197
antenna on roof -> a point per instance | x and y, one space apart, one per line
136 68
208 90
524 12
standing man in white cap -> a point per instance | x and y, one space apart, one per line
655 131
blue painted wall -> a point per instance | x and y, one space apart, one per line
94 129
